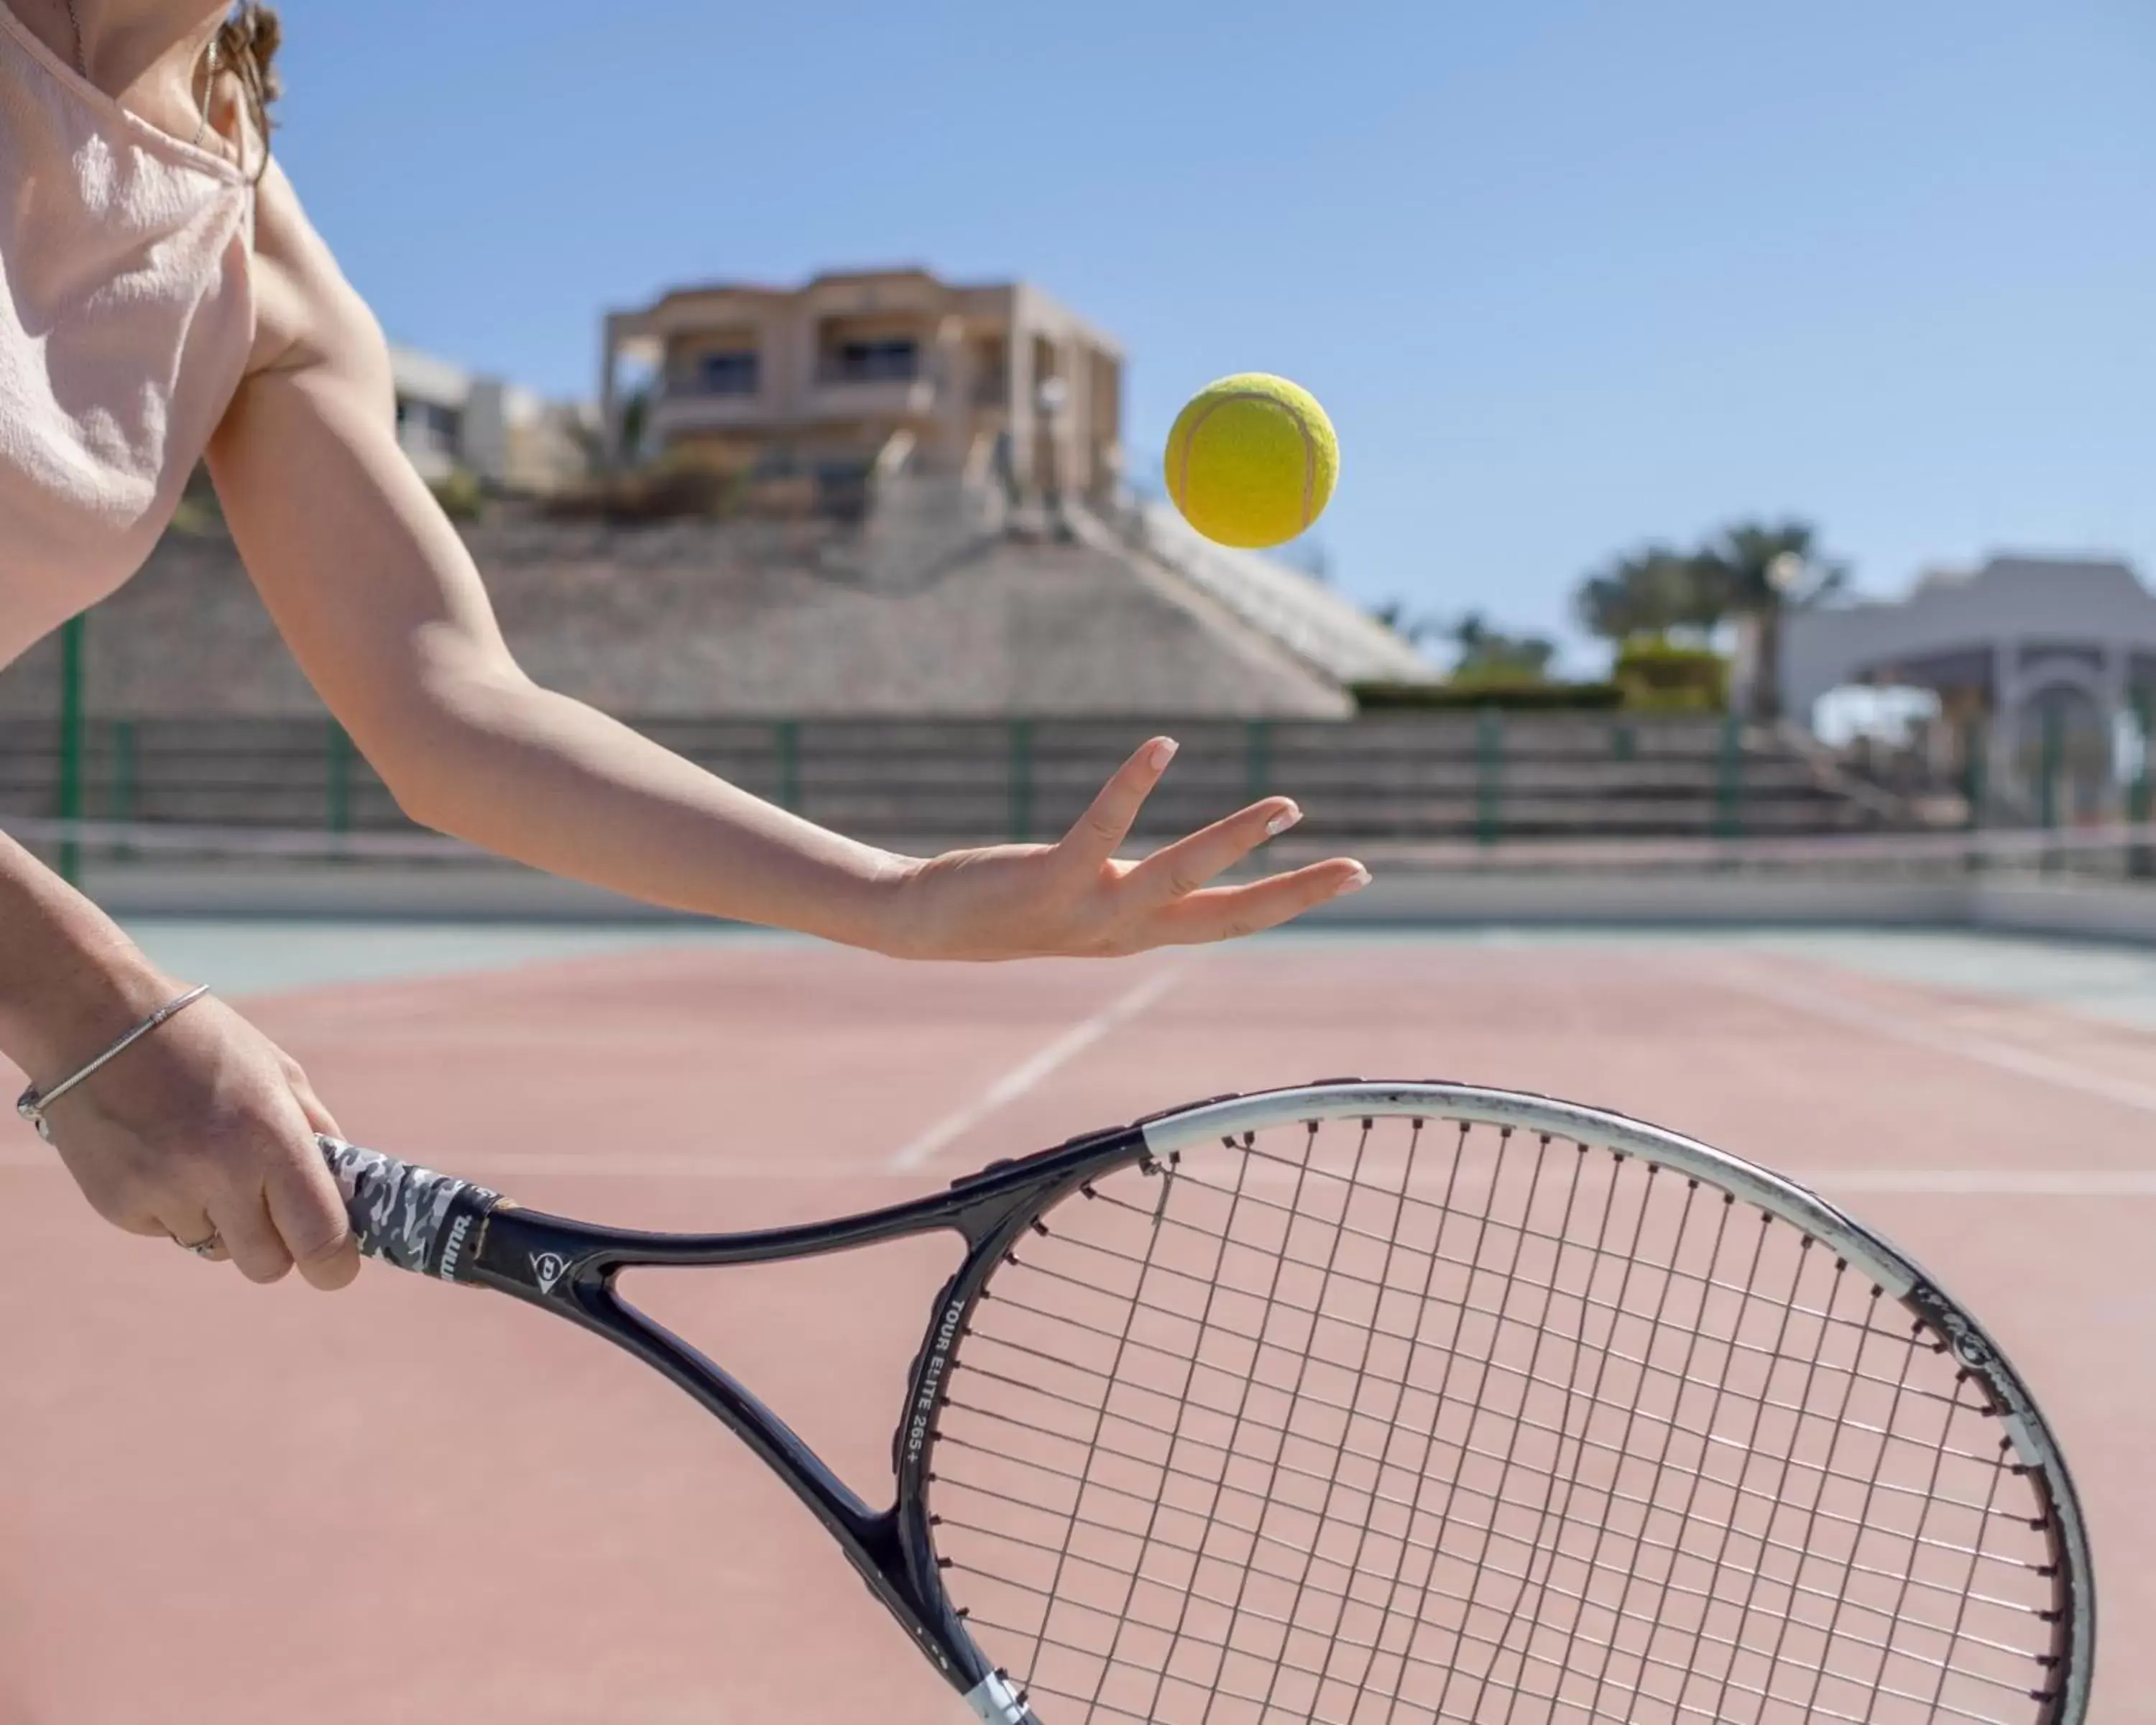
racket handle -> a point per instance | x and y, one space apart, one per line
411 1217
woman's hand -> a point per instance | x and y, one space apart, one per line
205 1128
1077 899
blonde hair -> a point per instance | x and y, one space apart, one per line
247 44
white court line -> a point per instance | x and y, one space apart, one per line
1022 1077
1981 1051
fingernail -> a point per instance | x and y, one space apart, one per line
1163 752
1357 880
1282 821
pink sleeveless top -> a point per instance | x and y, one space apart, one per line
126 317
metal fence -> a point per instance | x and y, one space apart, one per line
1480 778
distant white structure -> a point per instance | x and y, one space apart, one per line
2024 643
507 437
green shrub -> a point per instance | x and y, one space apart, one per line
1661 676
461 495
1495 692
1499 675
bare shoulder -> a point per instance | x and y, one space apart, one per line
307 314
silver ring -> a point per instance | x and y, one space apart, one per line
202 1248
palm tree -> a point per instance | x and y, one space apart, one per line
1485 652
1651 591
1760 573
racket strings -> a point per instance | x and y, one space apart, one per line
1607 1646
1383 1425
1418 1547
1705 1281
1303 1356
1338 1597
1961 1397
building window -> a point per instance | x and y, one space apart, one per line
428 424
883 359
732 373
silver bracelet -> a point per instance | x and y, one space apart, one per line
32 1104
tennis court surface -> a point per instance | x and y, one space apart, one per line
410 1503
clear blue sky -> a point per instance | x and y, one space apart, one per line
1569 275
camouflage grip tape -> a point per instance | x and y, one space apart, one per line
411 1217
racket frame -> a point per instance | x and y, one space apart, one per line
570 1268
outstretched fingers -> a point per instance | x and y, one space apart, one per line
1178 870
1100 831
1221 913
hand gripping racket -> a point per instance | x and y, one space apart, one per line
1392 1404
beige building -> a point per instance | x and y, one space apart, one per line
821 382
510 439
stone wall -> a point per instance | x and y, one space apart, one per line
704 620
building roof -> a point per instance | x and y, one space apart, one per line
781 290
1953 619
674 300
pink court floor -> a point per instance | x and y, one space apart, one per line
409 1503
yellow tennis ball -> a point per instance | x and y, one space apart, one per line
1251 460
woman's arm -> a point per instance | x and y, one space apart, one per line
69 980
375 594
203 1128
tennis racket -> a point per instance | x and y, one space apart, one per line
1399 1403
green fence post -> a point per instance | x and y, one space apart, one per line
1729 780
1975 783
1257 758
2141 794
2052 746
1489 776
338 765
786 744
1624 741
1020 780
71 729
